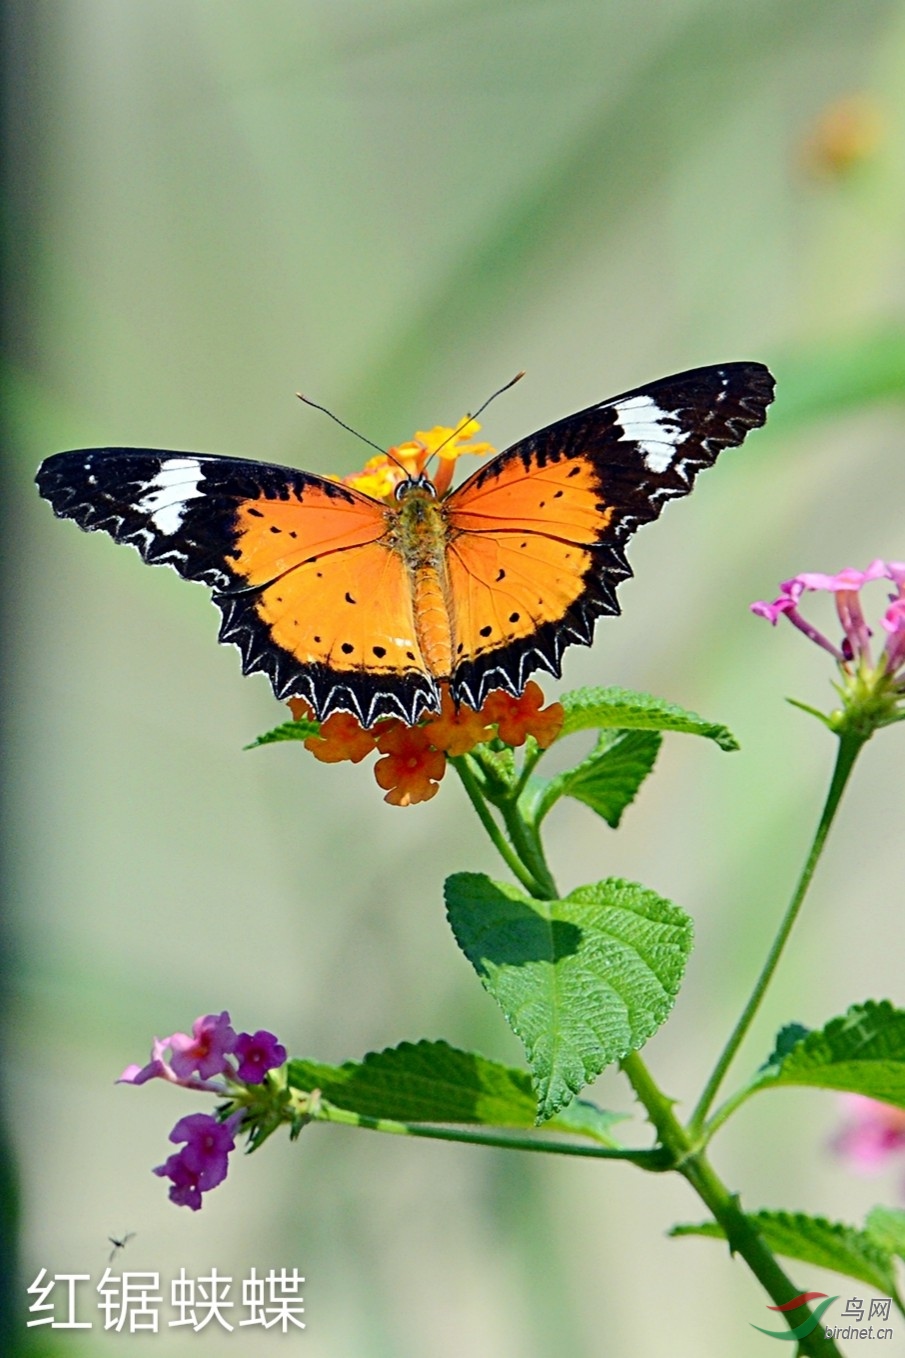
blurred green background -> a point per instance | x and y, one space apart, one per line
393 208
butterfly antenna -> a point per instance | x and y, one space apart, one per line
480 410
511 383
342 424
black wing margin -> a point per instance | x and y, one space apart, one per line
176 509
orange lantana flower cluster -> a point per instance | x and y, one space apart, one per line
382 474
413 758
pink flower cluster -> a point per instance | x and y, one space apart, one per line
855 644
873 1135
213 1058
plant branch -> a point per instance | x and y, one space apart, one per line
528 766
741 1233
850 744
527 844
327 1112
507 853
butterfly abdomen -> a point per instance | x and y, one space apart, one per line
432 622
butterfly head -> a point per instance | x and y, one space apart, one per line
421 482
403 469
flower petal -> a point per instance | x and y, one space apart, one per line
204 1053
341 737
518 718
457 729
411 769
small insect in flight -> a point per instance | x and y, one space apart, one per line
119 1243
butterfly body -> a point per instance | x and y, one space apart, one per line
420 534
366 607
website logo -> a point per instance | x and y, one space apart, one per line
806 1326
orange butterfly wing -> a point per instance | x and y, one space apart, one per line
536 537
309 591
331 618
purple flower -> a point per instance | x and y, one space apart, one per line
213 1058
258 1052
203 1162
185 1190
156 1069
873 1135
192 1057
210 1057
205 1052
207 1145
872 688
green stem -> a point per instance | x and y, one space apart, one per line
498 839
722 1114
528 768
850 744
527 844
743 1238
741 1234
326 1112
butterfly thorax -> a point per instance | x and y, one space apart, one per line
418 532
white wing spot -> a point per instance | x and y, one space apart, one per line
167 495
654 430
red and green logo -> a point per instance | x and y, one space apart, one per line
806 1326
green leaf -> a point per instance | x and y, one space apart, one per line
581 981
602 707
582 1118
811 711
886 1228
814 1240
787 1038
290 730
863 1052
608 780
434 1082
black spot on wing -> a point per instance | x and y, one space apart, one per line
368 697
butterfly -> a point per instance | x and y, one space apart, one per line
360 606
119 1243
